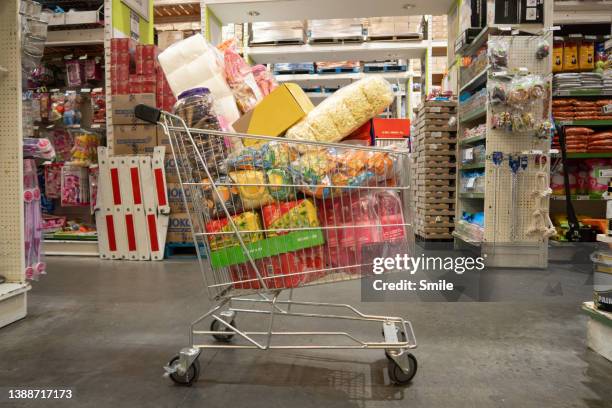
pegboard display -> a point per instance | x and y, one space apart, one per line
515 204
521 55
11 170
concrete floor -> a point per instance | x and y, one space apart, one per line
104 329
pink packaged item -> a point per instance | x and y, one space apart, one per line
75 186
74 74
33 221
597 185
53 180
264 78
240 78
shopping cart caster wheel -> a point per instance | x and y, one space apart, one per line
397 375
187 379
216 325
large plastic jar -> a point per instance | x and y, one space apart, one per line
195 107
570 53
587 53
558 54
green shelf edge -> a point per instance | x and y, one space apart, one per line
470 140
585 123
586 155
472 166
474 115
471 195
579 92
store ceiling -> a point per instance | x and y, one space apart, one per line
236 11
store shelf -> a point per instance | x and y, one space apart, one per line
472 140
480 112
176 11
604 238
439 48
472 166
478 41
367 51
13 304
574 198
332 80
76 18
70 248
472 195
478 80
585 123
64 38
604 155
236 11
466 240
582 92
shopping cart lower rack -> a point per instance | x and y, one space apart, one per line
326 210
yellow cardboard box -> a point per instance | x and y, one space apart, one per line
277 112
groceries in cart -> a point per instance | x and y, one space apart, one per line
275 191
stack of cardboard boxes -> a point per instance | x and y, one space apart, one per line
439 27
434 172
135 79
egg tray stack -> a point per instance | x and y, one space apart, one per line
434 175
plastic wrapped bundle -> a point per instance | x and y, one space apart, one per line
240 77
345 111
193 63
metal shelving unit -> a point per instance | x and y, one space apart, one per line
13 293
217 12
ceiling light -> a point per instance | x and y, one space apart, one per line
253 13
408 6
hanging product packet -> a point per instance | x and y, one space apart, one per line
240 77
264 78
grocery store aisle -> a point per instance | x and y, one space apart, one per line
104 329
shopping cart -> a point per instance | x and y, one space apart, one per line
326 211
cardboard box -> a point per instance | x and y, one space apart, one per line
167 38
179 229
134 139
276 113
175 197
123 107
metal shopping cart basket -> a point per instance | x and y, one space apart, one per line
281 214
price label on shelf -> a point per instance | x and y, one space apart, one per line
468 154
436 109
607 109
470 183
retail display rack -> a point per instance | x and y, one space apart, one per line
509 206
13 291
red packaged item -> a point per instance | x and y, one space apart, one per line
98 104
283 271
353 222
363 135
390 128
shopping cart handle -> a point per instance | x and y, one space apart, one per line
147 113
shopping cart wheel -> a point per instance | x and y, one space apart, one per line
401 337
216 325
398 376
191 375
